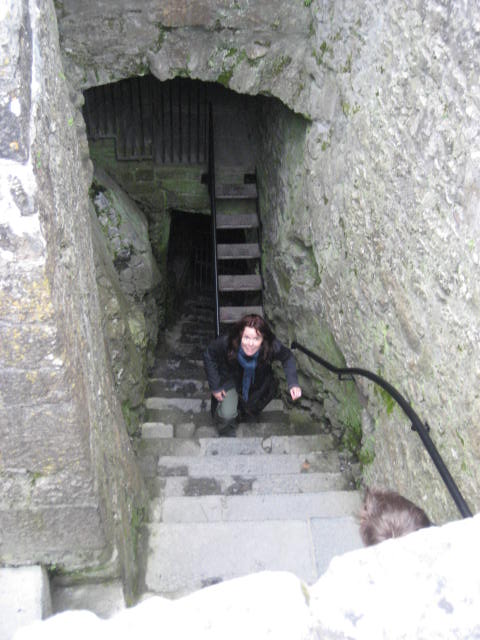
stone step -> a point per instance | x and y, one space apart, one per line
228 485
239 446
188 556
185 557
249 465
278 426
177 368
174 387
279 506
196 405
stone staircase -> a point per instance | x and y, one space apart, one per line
279 496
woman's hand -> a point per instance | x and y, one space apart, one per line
219 395
295 392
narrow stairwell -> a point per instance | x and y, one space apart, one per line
279 496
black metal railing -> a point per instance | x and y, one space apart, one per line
417 425
211 190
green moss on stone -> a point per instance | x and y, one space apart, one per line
387 400
181 72
162 32
349 414
225 77
280 64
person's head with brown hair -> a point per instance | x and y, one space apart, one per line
254 331
387 514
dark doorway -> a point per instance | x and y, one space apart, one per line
189 260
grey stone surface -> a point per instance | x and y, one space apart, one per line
237 484
185 557
128 280
265 507
334 536
24 598
248 465
369 233
151 430
66 500
196 404
201 446
104 599
424 585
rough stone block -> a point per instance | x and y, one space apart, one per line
24 598
104 598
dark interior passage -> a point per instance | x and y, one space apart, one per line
189 261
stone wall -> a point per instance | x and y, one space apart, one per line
391 178
158 190
389 186
71 493
128 281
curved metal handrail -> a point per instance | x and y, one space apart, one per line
417 424
211 190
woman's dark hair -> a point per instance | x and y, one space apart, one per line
261 326
387 514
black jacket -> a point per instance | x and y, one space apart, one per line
223 373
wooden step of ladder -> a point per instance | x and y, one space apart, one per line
234 314
240 283
243 251
235 191
237 221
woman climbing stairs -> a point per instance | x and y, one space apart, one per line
280 496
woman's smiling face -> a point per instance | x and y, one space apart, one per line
251 341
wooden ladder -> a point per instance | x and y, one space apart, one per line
238 248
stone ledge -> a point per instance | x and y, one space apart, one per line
24 598
424 585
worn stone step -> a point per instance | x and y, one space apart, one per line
188 556
253 445
228 485
277 426
279 506
204 419
174 387
177 368
249 465
185 557
196 405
